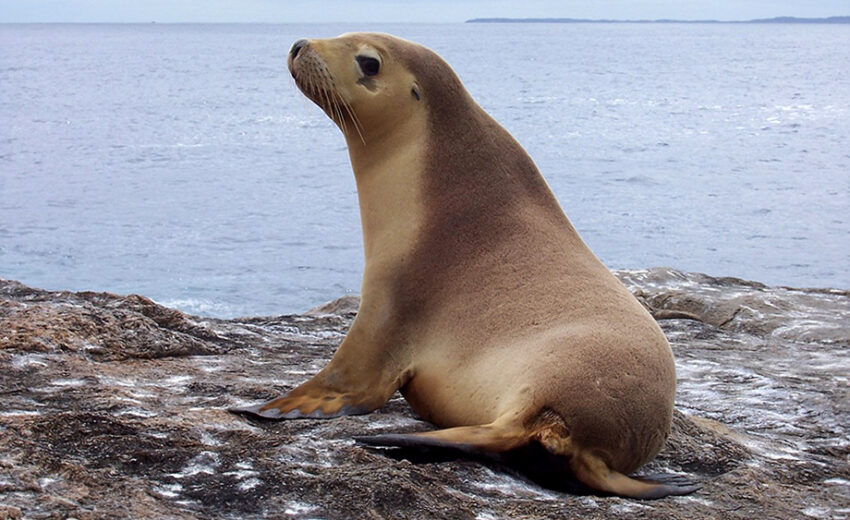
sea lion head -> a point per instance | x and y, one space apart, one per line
369 83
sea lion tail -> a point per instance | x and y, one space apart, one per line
592 471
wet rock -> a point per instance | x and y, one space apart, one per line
113 407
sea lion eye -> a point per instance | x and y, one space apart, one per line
368 65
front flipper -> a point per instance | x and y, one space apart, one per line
359 379
330 393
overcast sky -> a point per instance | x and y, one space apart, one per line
295 11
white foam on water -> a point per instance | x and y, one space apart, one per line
198 306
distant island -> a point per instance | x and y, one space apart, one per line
778 19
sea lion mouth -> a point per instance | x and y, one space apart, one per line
315 80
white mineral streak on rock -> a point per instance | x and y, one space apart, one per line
177 381
311 453
116 381
837 482
249 484
209 439
22 361
68 382
817 512
298 508
241 474
174 384
390 423
136 412
169 490
13 413
46 482
210 365
697 500
128 400
621 506
504 484
248 477
205 462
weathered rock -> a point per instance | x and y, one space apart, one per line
114 407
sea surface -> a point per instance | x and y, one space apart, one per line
180 162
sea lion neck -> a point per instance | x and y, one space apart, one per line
376 146
388 173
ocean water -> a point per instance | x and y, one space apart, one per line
180 162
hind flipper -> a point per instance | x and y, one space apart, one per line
672 479
589 469
593 472
487 438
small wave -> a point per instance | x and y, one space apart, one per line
171 145
640 180
198 306
793 108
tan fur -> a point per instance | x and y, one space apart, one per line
480 302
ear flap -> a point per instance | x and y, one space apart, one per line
417 93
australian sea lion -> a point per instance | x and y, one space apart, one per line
480 302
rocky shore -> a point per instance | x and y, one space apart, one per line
114 407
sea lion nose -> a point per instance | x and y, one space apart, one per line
296 48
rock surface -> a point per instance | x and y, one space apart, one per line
114 407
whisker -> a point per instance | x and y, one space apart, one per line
337 103
329 101
332 105
354 120
327 92
327 104
320 93
317 82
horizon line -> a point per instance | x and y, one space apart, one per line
838 19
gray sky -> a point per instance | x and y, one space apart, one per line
295 11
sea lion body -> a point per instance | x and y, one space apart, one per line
480 302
